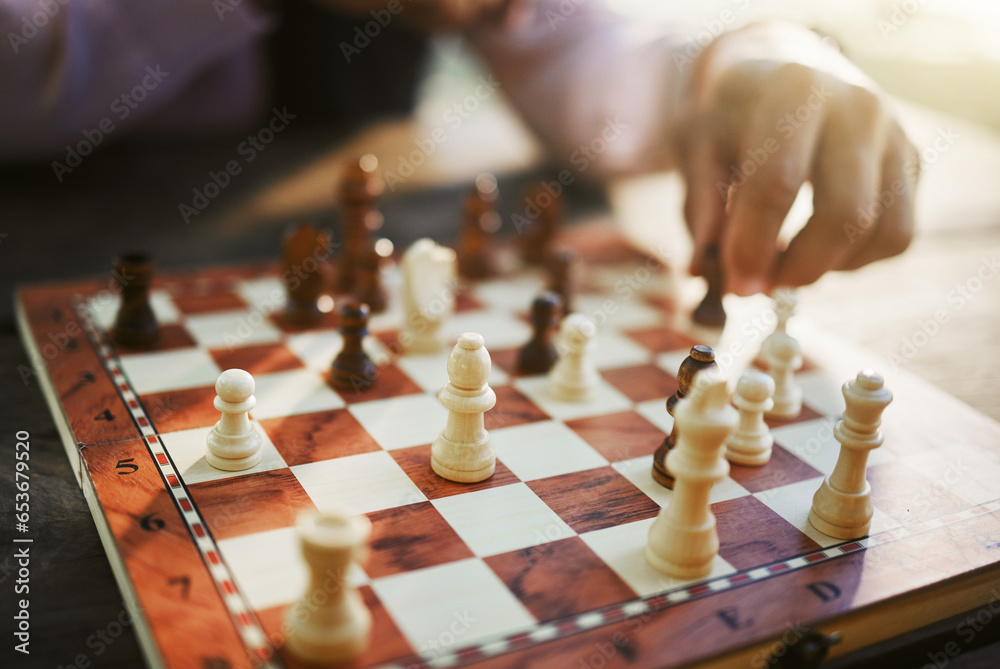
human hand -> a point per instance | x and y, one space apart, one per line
433 15
772 107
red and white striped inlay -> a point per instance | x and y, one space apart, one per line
257 644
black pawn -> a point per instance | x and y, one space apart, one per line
701 357
135 325
711 312
539 354
352 368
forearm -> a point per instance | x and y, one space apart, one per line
70 73
600 90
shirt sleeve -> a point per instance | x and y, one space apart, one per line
599 89
70 68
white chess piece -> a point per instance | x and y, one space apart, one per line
234 443
751 442
429 279
574 377
783 357
330 624
463 451
682 541
842 507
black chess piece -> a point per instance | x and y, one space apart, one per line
352 368
711 312
806 652
563 267
135 324
701 357
302 263
369 278
539 354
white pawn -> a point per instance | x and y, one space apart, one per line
429 272
783 357
842 507
330 624
574 377
463 451
682 541
750 444
234 442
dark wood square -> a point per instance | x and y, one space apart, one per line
619 436
594 499
559 578
200 303
642 382
751 534
506 359
411 537
257 359
386 642
807 413
253 503
464 301
390 381
909 497
323 435
661 339
327 321
784 468
416 462
172 337
512 408
174 410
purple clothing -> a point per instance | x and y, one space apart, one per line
588 81
78 67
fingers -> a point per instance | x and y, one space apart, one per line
776 155
886 229
707 187
846 181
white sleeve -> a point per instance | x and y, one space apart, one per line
599 89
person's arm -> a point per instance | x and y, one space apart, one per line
73 67
748 120
600 90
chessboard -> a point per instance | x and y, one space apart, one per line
540 565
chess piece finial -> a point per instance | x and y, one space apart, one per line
335 627
700 357
428 295
352 369
751 442
574 377
842 507
783 357
463 451
234 444
135 325
682 541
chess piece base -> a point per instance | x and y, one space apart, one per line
785 408
466 463
689 552
842 515
748 453
319 642
221 447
